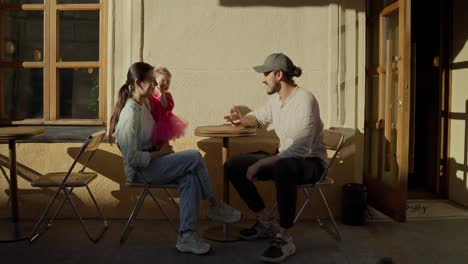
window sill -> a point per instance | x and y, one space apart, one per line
63 122
64 134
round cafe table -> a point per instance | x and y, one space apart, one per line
11 134
226 232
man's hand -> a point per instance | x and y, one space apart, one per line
252 171
234 117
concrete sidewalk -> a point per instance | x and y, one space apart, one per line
431 241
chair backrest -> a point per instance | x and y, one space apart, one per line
89 146
333 140
142 179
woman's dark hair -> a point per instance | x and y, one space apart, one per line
288 76
137 71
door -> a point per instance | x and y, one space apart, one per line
387 126
430 41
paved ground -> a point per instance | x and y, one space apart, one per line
427 241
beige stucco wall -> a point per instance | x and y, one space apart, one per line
458 137
210 46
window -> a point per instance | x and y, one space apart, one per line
53 61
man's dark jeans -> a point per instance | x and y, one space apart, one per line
287 174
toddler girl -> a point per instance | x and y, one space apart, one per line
168 125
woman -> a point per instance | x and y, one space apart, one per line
132 125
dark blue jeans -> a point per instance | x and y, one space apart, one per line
186 168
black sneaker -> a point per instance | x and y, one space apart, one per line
280 248
259 230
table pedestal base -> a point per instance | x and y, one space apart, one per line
13 232
223 233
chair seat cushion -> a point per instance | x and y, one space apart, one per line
154 186
76 179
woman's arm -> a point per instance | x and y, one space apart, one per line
126 136
165 150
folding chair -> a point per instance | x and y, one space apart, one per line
333 141
67 182
147 187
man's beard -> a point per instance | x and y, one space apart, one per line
272 90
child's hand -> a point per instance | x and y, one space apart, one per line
164 81
163 87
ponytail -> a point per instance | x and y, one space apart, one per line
295 72
137 71
124 94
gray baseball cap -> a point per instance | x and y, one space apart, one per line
275 61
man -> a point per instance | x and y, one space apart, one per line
294 113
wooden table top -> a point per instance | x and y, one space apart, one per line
7 133
224 131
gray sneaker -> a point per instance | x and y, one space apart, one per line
279 249
190 242
224 213
259 230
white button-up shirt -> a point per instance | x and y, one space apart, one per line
296 122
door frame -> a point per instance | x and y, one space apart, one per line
391 198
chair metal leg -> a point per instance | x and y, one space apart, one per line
83 225
319 222
97 207
338 235
273 210
309 199
60 208
5 175
172 198
164 211
139 207
104 220
307 196
34 234
133 215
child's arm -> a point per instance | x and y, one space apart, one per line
163 100
167 102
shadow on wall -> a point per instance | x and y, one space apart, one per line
347 32
460 32
347 168
276 3
111 167
458 172
458 181
211 147
343 171
31 199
